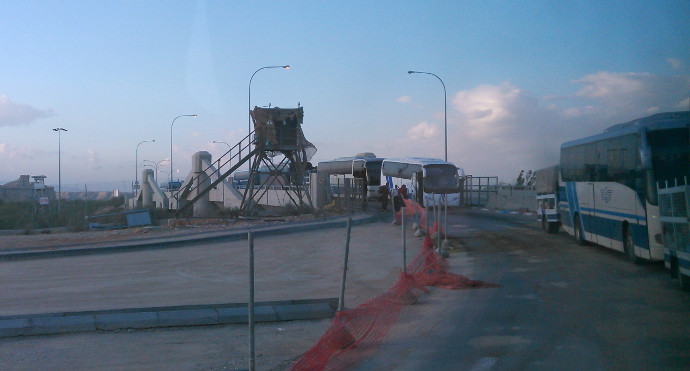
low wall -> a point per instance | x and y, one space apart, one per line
512 199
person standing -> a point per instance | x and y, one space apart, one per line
403 192
395 194
383 196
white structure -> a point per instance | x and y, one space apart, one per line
149 194
364 166
428 175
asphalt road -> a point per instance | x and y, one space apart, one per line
561 306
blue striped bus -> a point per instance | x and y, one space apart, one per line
608 190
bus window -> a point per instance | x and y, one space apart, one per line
374 172
440 179
670 154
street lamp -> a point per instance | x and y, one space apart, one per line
249 149
136 162
220 141
59 130
445 136
155 164
171 145
445 111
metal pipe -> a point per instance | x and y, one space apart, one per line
445 219
341 302
250 237
404 241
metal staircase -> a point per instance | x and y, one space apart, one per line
221 169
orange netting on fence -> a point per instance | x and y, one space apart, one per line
417 214
364 326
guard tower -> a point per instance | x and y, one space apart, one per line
283 153
40 190
280 151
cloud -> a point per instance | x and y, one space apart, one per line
633 93
423 130
94 161
683 105
675 63
404 99
502 129
12 114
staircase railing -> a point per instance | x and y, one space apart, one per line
224 166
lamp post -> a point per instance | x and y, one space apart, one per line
249 149
136 162
59 130
445 137
219 141
445 110
171 144
155 164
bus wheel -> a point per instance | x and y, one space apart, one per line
629 247
579 238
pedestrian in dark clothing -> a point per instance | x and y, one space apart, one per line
403 192
397 200
383 196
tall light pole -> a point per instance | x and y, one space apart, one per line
171 145
220 141
155 164
445 110
445 136
59 130
249 149
136 162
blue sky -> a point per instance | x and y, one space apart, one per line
521 78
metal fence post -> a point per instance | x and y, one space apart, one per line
404 241
252 365
341 302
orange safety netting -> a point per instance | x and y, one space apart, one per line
414 211
364 326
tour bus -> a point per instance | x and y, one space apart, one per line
369 169
547 181
364 166
428 175
674 203
609 183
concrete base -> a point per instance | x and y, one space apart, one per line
137 318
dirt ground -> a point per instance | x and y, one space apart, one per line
169 228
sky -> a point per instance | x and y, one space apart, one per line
521 78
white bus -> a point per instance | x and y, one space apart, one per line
365 166
428 175
547 181
369 169
608 194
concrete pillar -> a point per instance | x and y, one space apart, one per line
203 206
319 183
348 192
146 189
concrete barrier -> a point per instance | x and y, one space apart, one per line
512 199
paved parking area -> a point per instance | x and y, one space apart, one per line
296 266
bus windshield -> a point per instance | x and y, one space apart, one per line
374 172
670 154
440 179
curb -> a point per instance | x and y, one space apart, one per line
156 317
183 241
